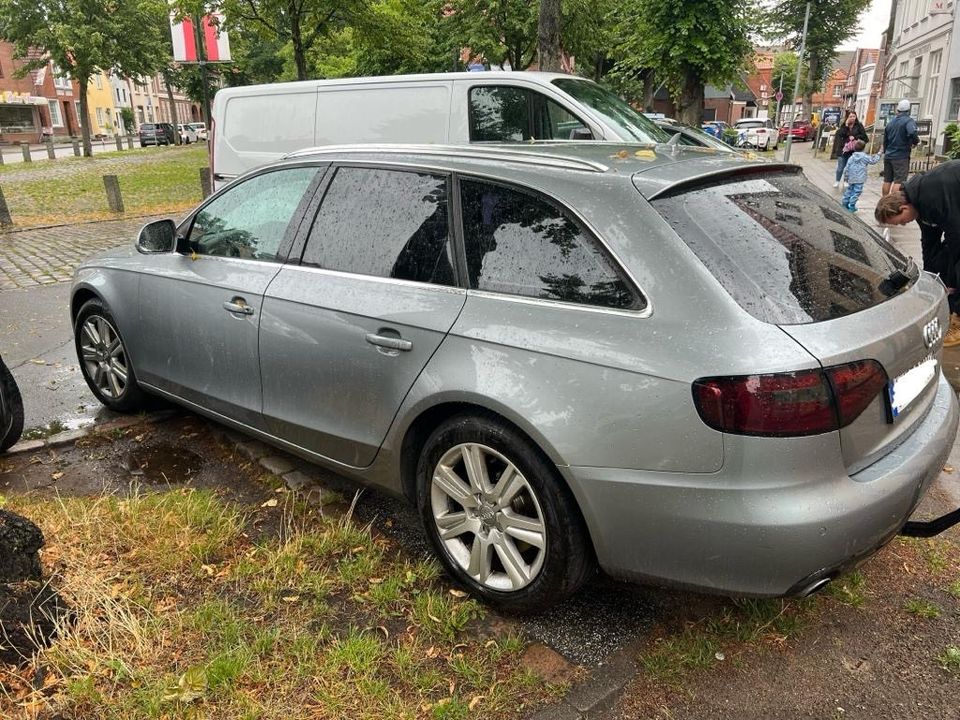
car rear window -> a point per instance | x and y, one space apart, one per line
787 253
146 126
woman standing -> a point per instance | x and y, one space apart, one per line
848 133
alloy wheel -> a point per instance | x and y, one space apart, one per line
488 517
103 356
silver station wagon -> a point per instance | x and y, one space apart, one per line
687 367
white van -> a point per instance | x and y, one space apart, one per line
257 124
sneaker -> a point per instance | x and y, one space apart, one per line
952 338
837 184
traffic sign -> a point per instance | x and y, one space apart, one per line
779 96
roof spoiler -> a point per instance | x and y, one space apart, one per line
731 172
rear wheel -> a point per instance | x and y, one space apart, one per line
498 517
11 409
103 359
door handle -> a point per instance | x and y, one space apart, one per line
237 306
391 343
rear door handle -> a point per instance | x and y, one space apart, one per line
391 343
237 306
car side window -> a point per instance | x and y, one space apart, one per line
519 244
250 219
501 113
385 223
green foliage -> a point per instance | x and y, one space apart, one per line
952 131
690 44
126 114
503 32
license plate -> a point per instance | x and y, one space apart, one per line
905 388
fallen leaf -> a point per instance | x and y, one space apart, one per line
38 361
194 256
208 569
57 475
948 468
457 593
290 598
272 502
375 581
474 702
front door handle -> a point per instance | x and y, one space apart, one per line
237 306
391 343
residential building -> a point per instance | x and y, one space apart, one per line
834 90
120 91
100 106
20 101
728 103
187 110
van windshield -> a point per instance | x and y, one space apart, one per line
613 110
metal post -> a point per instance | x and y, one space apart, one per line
776 117
119 142
130 142
76 147
796 84
202 61
51 153
5 219
25 149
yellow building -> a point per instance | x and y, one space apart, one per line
100 105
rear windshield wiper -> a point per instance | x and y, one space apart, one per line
894 283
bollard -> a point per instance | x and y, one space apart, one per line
5 219
1 157
206 184
119 142
76 147
114 199
25 149
51 153
130 142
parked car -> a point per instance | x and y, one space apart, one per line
692 136
498 333
455 108
200 129
801 130
11 409
156 134
759 133
187 134
715 128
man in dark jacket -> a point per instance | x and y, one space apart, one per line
933 200
899 138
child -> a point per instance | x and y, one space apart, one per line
856 172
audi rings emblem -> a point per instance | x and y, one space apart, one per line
932 333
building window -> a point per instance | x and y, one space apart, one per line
80 118
56 120
837 90
16 119
953 109
60 80
100 120
98 81
915 79
1 70
124 94
933 83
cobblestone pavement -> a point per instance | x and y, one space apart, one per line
43 256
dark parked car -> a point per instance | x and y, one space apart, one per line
11 409
156 134
801 131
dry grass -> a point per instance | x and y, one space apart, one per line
180 614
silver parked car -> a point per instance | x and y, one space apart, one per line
691 369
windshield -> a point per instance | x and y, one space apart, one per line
784 250
695 136
631 124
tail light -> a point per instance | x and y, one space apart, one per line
806 402
761 131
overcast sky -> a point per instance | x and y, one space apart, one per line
873 22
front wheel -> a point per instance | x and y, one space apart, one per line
103 358
498 517
11 409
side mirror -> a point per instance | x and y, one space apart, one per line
159 236
581 133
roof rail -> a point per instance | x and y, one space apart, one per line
461 151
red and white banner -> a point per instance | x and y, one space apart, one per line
216 44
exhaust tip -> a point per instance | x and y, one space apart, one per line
815 587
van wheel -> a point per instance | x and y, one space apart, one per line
103 358
498 517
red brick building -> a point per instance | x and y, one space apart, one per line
40 103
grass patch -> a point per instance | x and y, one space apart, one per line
949 659
922 608
954 589
40 432
152 180
702 644
184 610
849 590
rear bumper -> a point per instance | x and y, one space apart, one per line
744 531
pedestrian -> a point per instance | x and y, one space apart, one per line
899 138
847 134
933 200
856 172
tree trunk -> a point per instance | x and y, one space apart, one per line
649 91
548 36
296 39
813 67
173 109
85 119
690 103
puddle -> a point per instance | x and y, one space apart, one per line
162 464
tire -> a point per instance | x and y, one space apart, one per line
482 548
11 413
103 359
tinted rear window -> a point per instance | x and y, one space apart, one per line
146 126
787 253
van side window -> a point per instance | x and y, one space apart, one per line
386 223
502 113
249 219
520 244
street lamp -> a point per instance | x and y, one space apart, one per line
796 84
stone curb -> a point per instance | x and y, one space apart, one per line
596 696
70 436
14 230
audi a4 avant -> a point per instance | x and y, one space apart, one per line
686 368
